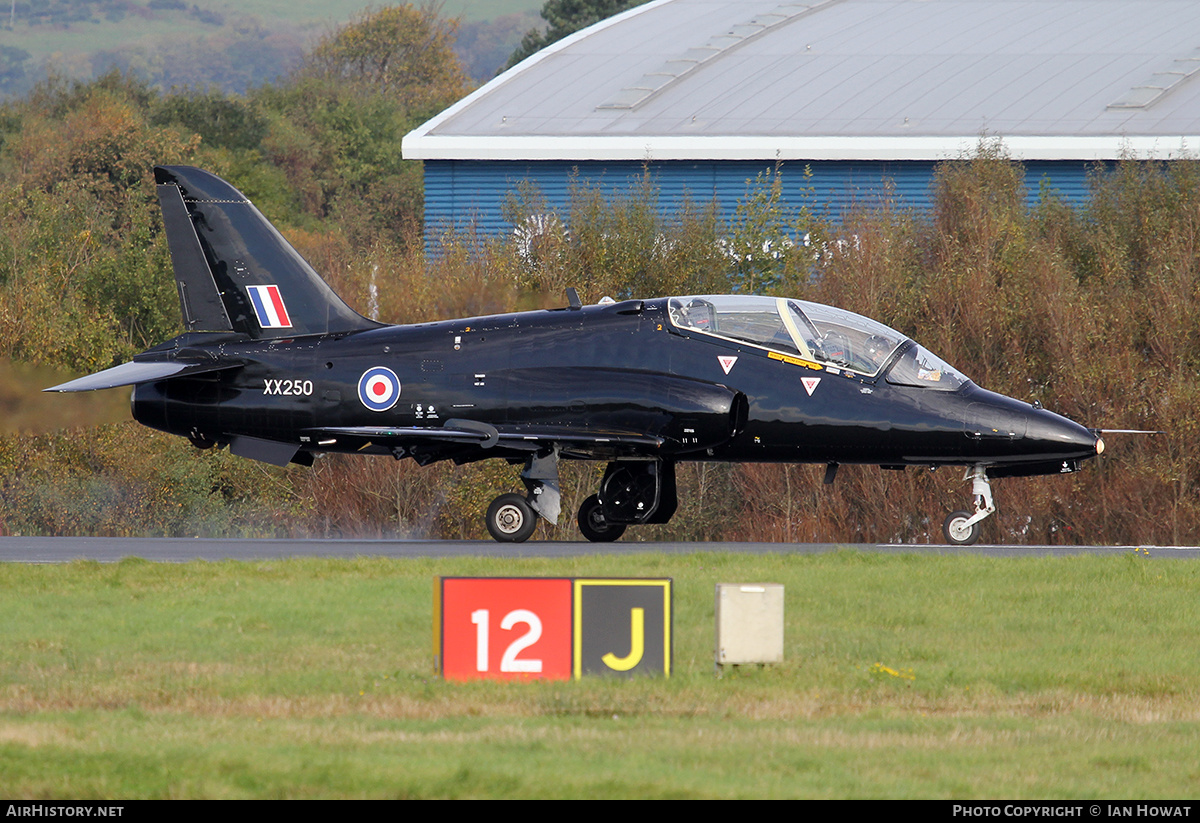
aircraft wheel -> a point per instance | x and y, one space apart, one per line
958 532
592 523
510 519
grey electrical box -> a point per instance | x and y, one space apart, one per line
749 623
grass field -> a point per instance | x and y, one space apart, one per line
906 676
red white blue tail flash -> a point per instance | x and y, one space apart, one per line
268 307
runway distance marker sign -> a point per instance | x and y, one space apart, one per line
551 628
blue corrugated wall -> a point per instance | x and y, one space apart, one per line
462 193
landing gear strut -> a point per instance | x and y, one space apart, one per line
962 528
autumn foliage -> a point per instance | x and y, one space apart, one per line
1091 310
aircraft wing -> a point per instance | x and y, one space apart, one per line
130 374
416 440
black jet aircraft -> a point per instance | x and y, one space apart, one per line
275 366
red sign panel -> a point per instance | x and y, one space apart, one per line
505 628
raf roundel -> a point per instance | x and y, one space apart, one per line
379 388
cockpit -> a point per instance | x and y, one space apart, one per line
820 335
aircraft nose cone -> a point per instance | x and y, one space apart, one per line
1063 436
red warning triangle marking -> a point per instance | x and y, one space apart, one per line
810 384
727 361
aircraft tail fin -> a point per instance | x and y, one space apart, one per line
235 271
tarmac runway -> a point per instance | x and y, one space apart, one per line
182 550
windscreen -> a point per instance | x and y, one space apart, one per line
845 339
920 367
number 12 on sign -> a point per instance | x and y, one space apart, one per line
509 662
504 628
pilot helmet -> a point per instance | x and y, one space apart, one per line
878 347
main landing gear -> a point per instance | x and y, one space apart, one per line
632 492
592 524
962 527
510 519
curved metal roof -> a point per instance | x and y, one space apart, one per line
844 79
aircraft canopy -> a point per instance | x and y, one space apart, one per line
822 334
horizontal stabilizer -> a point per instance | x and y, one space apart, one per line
131 374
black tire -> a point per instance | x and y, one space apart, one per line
510 519
592 524
957 533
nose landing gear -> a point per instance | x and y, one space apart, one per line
962 527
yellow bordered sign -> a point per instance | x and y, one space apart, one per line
622 626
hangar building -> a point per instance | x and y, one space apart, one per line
865 93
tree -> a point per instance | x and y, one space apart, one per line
404 52
84 275
566 17
335 126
